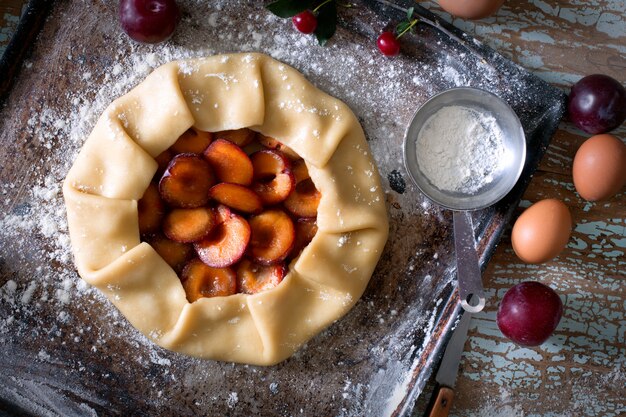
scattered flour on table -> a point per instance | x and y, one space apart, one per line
404 376
274 388
383 108
233 398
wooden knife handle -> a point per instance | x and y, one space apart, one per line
443 402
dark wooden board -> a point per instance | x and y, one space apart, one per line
21 42
66 351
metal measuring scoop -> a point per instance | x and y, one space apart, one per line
504 178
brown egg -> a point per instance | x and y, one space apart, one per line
600 167
542 231
471 9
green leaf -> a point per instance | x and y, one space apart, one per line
409 12
289 8
402 26
326 22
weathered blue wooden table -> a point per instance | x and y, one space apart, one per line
581 370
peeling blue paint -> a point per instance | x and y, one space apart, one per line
536 36
523 353
577 243
612 25
597 228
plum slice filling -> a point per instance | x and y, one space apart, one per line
227 221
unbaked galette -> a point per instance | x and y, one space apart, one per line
228 208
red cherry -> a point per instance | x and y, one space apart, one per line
305 22
149 21
388 44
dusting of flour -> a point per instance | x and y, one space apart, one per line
34 232
460 149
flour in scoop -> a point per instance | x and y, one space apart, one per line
460 149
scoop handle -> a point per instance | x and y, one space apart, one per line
467 267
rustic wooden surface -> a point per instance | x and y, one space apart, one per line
580 370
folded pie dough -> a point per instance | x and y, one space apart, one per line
116 164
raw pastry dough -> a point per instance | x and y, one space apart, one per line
224 92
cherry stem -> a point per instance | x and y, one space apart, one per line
321 5
413 23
